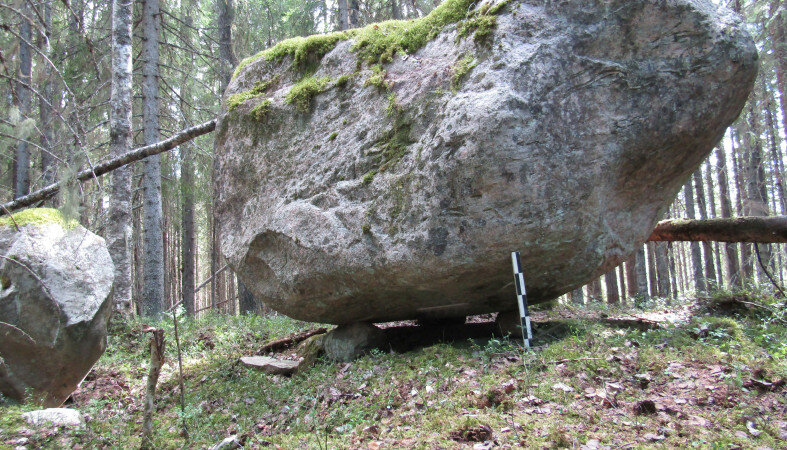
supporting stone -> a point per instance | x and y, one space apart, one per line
348 342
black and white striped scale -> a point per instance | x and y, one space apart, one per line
521 296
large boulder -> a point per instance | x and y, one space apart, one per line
54 305
395 181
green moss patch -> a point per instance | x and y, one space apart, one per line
377 79
260 112
379 42
304 91
37 216
461 69
259 89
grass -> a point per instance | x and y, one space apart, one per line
583 384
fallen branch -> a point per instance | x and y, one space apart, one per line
763 230
290 341
108 166
205 283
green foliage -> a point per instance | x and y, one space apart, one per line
304 91
461 69
36 216
333 136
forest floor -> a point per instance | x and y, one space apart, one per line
710 375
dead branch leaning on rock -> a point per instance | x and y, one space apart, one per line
290 341
157 345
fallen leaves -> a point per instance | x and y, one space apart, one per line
477 433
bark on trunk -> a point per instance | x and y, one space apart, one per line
342 15
611 281
152 215
22 154
189 273
48 168
119 223
730 249
696 255
707 247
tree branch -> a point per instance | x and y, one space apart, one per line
763 230
115 163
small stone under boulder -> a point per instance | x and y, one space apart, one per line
55 417
270 365
348 342
55 284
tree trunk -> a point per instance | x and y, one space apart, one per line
622 282
730 249
696 255
152 215
355 14
22 154
778 34
226 54
712 214
642 276
652 272
577 297
662 268
631 276
119 225
48 168
343 18
396 10
594 289
707 248
755 186
189 271
611 281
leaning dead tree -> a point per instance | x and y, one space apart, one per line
108 166
763 230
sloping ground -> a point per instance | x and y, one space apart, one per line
711 381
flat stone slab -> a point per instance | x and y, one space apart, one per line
270 365
59 417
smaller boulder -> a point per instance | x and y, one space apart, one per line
348 342
55 284
56 417
269 365
310 350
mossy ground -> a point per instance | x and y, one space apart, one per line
585 383
36 216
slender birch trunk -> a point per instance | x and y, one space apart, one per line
119 225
